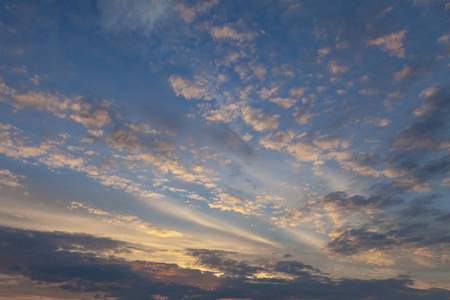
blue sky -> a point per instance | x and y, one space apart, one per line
224 149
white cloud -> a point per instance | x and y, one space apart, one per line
265 93
139 127
44 101
382 122
391 43
446 182
336 68
225 113
35 79
228 33
403 73
61 106
304 152
10 180
445 38
428 92
229 202
259 70
276 140
297 91
13 144
284 102
418 112
190 12
323 51
189 89
259 120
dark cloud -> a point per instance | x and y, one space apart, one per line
67 259
78 263
430 131
422 206
217 259
295 268
444 218
395 288
130 141
354 241
435 168
387 235
342 201
230 139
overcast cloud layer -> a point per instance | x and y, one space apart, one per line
220 149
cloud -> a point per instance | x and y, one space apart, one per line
333 173
368 92
303 151
265 93
328 142
341 201
119 16
189 89
227 32
303 117
166 166
13 144
388 227
276 140
297 91
122 139
383 245
259 120
35 79
335 68
130 141
139 127
59 159
419 68
391 43
225 113
414 184
189 11
303 114
428 131
359 240
445 38
446 182
406 72
381 122
73 107
43 101
127 220
241 205
364 165
80 262
10 180
284 102
85 114
217 260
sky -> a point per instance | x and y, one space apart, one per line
253 149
